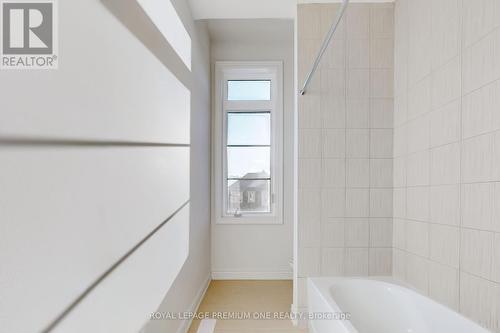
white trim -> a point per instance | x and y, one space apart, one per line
299 315
285 275
267 70
186 324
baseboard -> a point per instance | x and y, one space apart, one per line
186 324
251 275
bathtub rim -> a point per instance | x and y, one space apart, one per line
322 286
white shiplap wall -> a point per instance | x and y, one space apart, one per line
94 156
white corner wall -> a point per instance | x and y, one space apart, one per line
95 156
257 251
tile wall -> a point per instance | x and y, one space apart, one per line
345 144
447 153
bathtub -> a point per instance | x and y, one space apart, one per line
365 305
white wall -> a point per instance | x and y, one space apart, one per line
345 145
72 207
257 251
447 153
194 277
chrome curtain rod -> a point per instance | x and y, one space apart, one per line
326 41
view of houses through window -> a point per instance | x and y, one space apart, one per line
248 162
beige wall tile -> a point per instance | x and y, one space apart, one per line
400 171
417 238
399 264
310 233
309 23
358 83
381 83
357 232
399 236
446 83
357 202
309 201
358 172
333 202
478 298
495 270
399 202
358 21
476 252
477 159
444 284
381 232
332 263
381 53
417 272
309 261
419 98
333 143
310 115
333 232
381 113
333 172
419 134
445 164
381 143
445 204
380 202
358 143
417 203
358 113
444 244
477 206
446 30
382 21
381 172
333 111
356 261
380 261
309 173
309 143
418 169
445 124
358 53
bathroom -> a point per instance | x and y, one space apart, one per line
237 166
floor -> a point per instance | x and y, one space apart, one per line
256 298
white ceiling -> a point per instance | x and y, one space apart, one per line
237 9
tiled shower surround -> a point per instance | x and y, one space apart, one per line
345 144
440 164
447 153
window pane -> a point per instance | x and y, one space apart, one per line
248 196
248 162
249 90
248 128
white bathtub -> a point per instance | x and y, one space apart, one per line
378 306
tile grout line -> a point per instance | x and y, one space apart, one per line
460 131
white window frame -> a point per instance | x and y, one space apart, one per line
229 70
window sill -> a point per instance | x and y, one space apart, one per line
250 220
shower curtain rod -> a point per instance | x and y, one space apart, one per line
326 41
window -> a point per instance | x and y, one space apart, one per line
248 142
